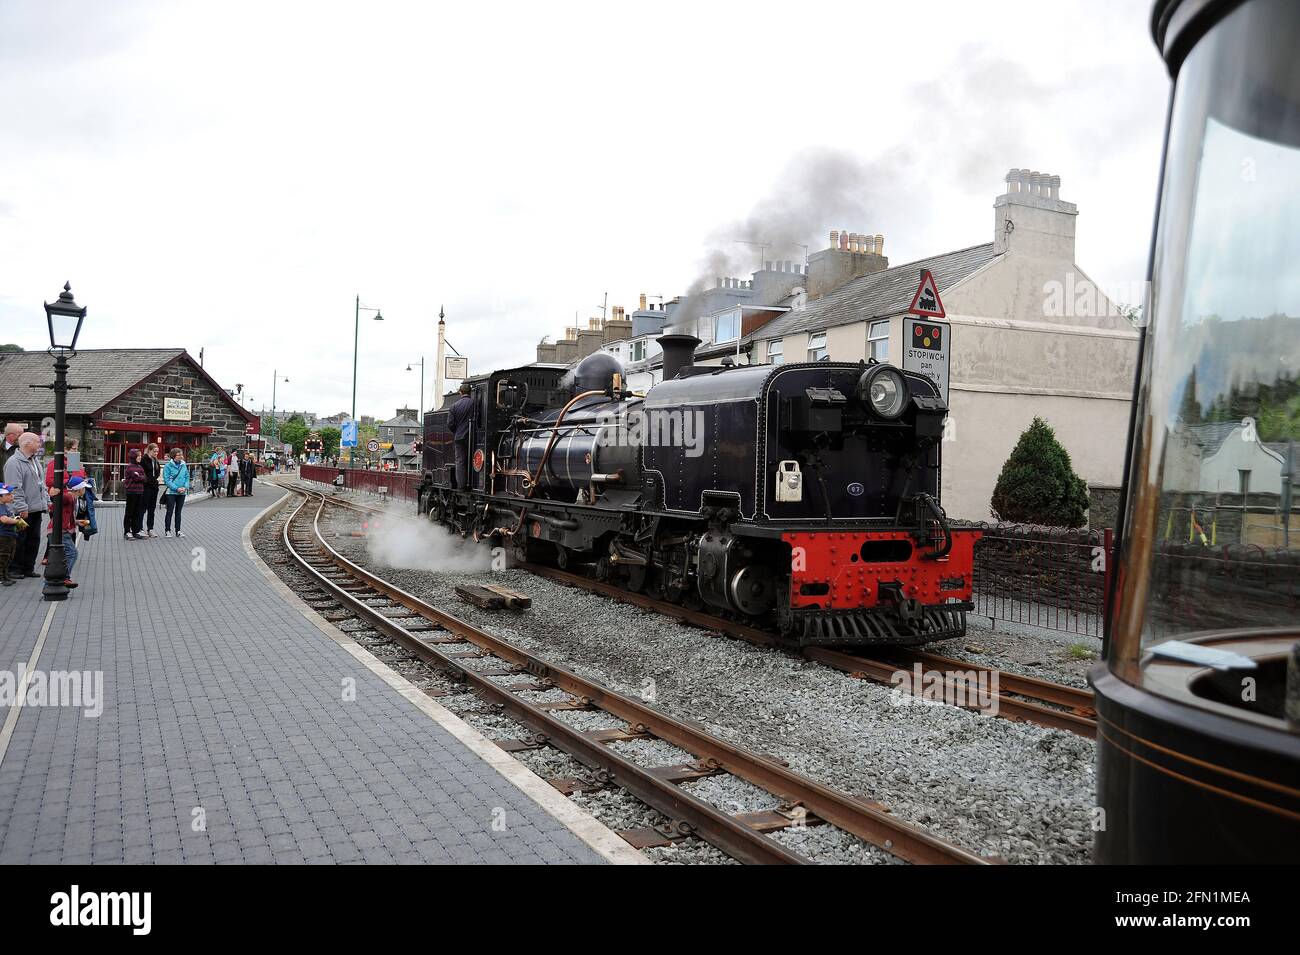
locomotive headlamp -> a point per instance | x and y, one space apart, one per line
884 389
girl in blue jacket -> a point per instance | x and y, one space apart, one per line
176 478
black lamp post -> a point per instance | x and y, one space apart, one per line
64 318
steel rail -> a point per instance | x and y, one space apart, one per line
1078 716
854 815
1079 719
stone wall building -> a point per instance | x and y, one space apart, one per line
136 396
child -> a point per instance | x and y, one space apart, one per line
10 527
72 495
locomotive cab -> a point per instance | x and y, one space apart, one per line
1198 699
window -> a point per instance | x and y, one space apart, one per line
776 351
878 341
1243 478
728 326
817 349
637 349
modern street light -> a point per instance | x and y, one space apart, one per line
356 338
408 368
275 424
64 318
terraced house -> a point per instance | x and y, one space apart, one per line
1032 335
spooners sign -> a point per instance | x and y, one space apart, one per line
177 409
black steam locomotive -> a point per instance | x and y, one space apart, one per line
802 497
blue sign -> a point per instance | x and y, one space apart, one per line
349 437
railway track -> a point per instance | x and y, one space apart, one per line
1018 697
425 631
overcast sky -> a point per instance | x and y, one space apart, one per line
228 176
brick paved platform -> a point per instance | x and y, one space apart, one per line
224 736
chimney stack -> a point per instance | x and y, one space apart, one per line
642 308
1031 218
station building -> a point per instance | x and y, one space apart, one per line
136 396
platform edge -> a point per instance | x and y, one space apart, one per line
600 838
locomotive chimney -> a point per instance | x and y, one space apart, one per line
679 353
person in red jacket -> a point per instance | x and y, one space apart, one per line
76 488
69 446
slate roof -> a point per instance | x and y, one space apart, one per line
110 371
1211 436
402 422
879 294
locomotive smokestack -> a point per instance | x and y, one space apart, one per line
679 353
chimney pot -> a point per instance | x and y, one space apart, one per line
880 244
844 240
835 238
719 283
1055 187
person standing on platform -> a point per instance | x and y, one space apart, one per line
23 474
133 487
152 475
232 473
176 477
248 471
70 446
11 527
10 443
72 494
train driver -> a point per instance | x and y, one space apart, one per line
458 422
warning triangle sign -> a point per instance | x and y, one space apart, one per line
926 300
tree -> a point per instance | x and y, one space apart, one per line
1038 484
293 432
329 439
10 348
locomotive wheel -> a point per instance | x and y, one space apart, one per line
562 560
603 569
635 578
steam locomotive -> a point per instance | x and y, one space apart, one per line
801 497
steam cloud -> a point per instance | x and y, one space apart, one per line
820 189
421 545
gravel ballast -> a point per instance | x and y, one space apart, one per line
1017 791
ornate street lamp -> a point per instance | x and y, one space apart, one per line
64 318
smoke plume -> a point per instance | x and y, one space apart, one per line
421 545
819 190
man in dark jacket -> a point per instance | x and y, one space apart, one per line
152 475
9 444
458 423
248 471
